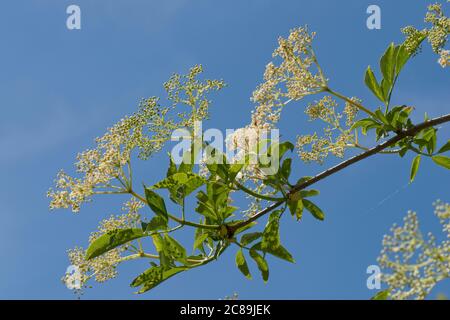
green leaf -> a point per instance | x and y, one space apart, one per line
156 203
295 205
153 277
250 237
381 295
445 147
414 167
243 228
172 167
443 161
315 210
303 180
233 170
174 249
402 57
309 193
271 234
261 263
279 252
242 264
111 240
276 150
197 235
153 274
180 185
198 243
286 168
365 125
381 117
156 223
372 83
387 66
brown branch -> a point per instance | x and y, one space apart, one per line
399 136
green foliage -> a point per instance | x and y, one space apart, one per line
391 63
156 223
180 184
414 167
242 264
279 252
381 295
271 234
112 240
270 191
442 161
153 276
156 203
313 209
261 263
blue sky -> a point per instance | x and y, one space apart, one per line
59 89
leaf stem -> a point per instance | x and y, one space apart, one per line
324 174
257 195
180 221
354 103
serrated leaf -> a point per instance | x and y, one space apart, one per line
243 228
372 83
153 274
271 235
111 240
250 237
153 277
303 180
313 209
156 203
309 193
261 263
174 249
198 243
180 185
242 265
414 167
156 223
296 208
387 65
279 252
381 295
445 147
286 168
279 149
443 161
172 167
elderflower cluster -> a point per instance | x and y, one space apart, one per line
99 166
297 76
437 34
444 59
413 264
413 39
243 141
103 267
147 131
188 90
336 138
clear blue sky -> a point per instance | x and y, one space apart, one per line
59 89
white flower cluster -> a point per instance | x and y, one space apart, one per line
103 267
297 76
413 264
337 137
147 131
